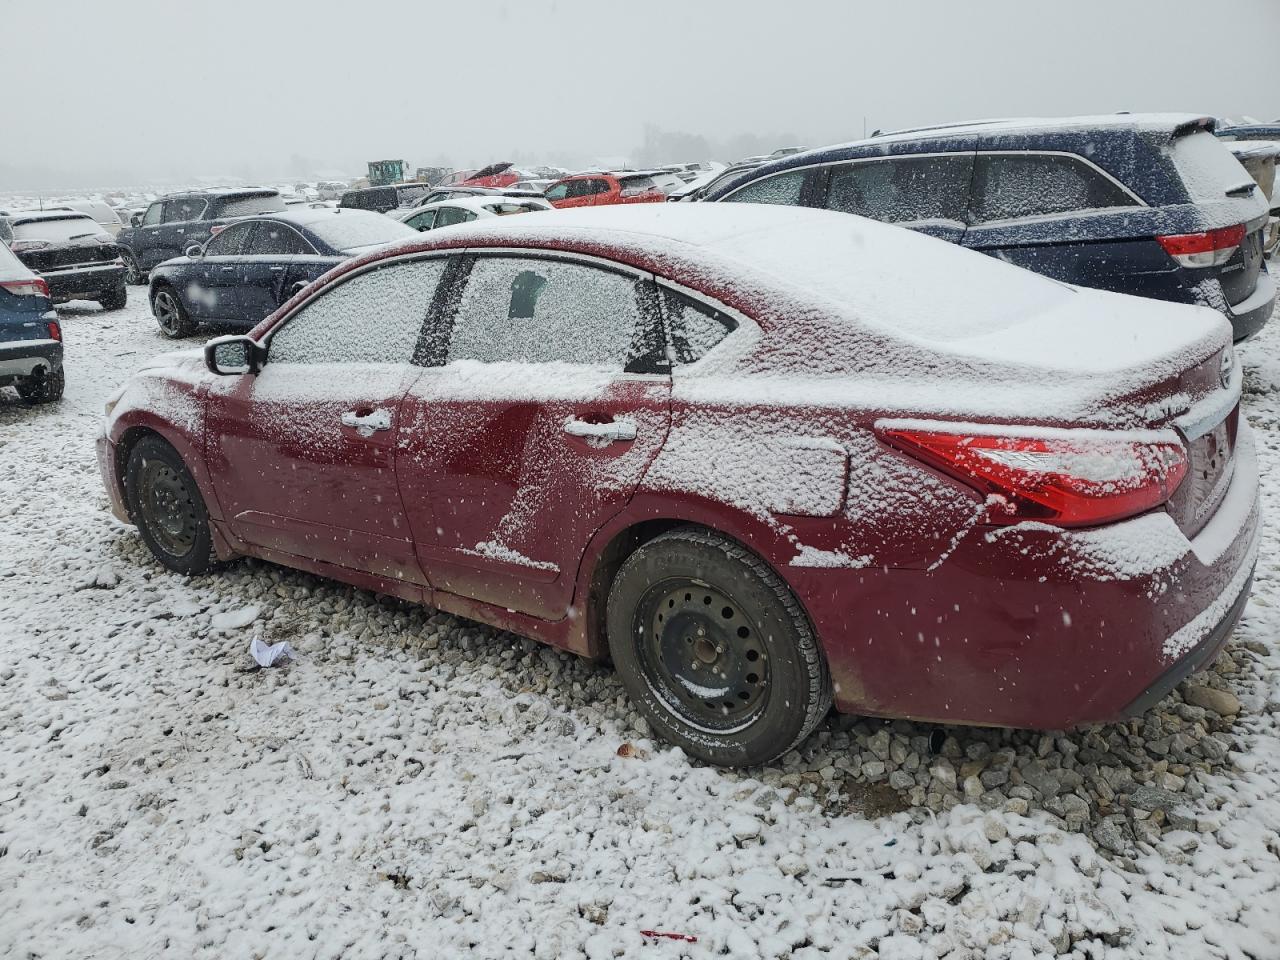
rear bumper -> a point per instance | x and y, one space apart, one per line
21 358
72 283
1036 627
1249 316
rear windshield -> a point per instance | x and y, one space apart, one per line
637 184
11 268
1208 168
248 206
346 232
57 231
408 195
369 199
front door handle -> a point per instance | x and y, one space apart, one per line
604 433
277 269
228 269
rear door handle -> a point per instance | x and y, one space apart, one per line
228 269
277 269
367 424
605 432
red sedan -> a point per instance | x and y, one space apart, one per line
763 457
604 189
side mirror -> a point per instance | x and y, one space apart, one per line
232 355
194 251
135 220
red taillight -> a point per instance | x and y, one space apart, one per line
55 331
1070 481
35 287
1209 249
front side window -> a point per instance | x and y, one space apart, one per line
422 221
783 188
448 216
183 209
271 239
692 327
526 310
229 242
1010 186
152 216
558 191
372 318
904 189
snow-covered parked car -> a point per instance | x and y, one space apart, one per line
764 457
447 213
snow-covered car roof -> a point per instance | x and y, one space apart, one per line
795 266
32 216
479 204
1116 121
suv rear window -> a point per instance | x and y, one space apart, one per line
407 196
904 189
1208 168
377 199
248 206
1015 185
59 230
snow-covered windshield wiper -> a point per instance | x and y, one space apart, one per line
81 236
1243 190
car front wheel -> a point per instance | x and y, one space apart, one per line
714 649
165 503
171 316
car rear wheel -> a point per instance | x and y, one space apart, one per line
714 649
165 503
133 274
171 316
42 388
115 299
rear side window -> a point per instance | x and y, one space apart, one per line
182 210
372 318
543 311
693 328
783 188
1011 186
248 206
903 189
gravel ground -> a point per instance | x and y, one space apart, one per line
415 785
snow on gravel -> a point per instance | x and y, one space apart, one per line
417 786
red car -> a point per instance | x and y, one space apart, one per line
761 456
495 175
599 189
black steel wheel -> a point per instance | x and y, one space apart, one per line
171 316
116 298
702 654
714 649
165 503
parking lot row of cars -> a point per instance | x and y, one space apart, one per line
765 455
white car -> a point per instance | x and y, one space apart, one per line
103 215
446 213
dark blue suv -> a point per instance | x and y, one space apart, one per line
30 335
1152 205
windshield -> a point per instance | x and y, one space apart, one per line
59 230
248 206
349 230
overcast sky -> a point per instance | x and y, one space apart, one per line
130 91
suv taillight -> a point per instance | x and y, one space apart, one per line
1070 481
35 287
55 330
1209 249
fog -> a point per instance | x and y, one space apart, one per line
135 91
